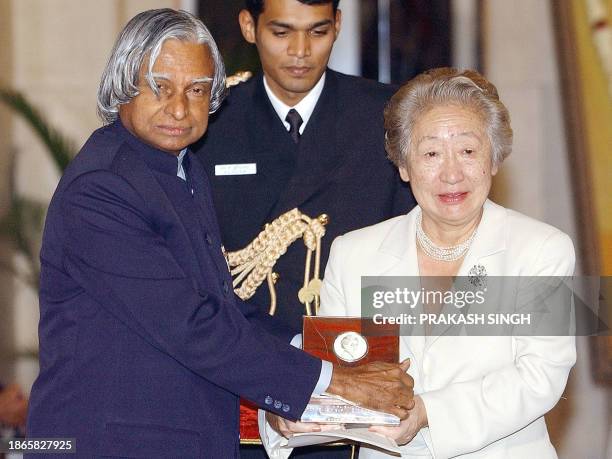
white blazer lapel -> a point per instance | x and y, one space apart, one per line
490 238
400 248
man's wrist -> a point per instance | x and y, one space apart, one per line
327 369
337 385
327 372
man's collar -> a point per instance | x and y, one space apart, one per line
304 107
181 170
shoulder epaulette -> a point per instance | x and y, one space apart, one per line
239 77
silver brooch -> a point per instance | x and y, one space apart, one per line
478 276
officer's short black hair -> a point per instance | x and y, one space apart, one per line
256 7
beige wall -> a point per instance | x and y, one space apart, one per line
6 76
520 60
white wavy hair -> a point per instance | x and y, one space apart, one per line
142 38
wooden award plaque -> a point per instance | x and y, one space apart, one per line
344 341
350 341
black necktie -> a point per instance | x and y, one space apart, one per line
295 121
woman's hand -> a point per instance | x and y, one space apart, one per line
287 428
409 427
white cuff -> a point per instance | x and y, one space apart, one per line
327 369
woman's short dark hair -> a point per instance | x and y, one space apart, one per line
445 86
256 7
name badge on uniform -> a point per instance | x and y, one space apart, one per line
236 169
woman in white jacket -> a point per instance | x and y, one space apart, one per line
477 396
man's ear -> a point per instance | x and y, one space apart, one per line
338 22
247 25
404 174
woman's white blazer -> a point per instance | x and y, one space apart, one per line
485 396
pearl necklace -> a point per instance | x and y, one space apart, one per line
441 253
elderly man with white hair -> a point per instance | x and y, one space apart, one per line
144 347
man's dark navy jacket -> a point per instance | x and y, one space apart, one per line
144 348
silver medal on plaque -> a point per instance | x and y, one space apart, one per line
350 346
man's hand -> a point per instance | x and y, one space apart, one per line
409 427
379 386
287 428
13 406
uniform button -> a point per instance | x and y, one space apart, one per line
268 400
208 239
277 404
286 408
225 287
